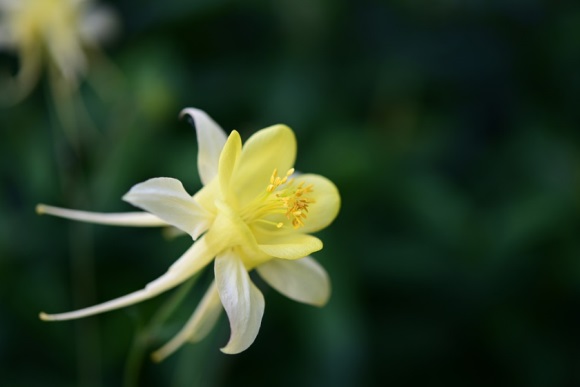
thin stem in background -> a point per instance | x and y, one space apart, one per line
82 276
68 152
144 335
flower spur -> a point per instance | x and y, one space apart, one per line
245 217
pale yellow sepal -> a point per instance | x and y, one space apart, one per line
133 219
210 139
197 327
243 302
303 280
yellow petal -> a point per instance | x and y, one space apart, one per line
303 280
288 246
167 199
231 230
243 302
270 148
134 219
207 196
228 161
197 327
211 139
326 202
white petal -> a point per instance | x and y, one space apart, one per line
211 139
6 41
135 219
243 302
198 326
167 199
7 5
99 24
303 280
196 257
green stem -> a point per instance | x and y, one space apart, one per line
144 335
80 244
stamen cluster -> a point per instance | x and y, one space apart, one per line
294 201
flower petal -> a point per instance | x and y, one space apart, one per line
16 88
268 149
99 24
232 229
135 219
167 199
195 258
197 327
289 246
6 41
211 139
327 202
206 196
243 302
228 161
303 280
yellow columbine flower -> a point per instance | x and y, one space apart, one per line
248 215
56 32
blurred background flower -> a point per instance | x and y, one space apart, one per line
450 129
55 34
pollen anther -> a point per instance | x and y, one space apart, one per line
293 200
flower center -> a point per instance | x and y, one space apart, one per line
281 197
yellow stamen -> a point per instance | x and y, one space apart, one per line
294 201
282 197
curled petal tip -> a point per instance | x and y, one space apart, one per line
183 112
229 351
189 113
40 210
322 303
44 317
156 357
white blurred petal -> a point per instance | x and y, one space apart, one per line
9 5
100 24
211 139
6 41
243 302
303 280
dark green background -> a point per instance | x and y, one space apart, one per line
450 127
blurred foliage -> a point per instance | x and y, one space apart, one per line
450 127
